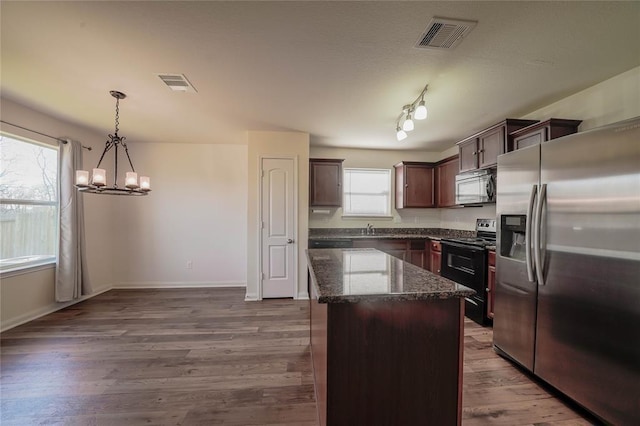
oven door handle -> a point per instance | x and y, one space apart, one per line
462 246
471 301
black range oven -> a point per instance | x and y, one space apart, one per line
464 260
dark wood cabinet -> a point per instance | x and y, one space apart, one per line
480 151
542 132
414 185
412 251
435 255
417 254
491 283
387 362
446 172
325 182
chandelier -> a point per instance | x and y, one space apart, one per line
98 182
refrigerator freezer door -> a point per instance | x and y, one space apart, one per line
515 298
588 319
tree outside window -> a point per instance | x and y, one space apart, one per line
28 203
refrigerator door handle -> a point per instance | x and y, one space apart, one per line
527 234
537 249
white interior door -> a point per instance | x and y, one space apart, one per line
278 228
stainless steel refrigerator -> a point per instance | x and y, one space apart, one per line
567 303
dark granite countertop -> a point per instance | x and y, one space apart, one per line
387 233
362 275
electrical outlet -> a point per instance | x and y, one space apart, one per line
189 264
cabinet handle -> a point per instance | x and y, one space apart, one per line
406 185
475 152
488 290
482 150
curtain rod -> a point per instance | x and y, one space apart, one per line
42 134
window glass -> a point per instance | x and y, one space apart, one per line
28 203
367 192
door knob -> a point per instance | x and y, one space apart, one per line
289 241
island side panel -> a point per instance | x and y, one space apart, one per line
394 362
318 338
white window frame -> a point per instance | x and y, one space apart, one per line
37 262
346 213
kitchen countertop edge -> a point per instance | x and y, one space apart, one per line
434 286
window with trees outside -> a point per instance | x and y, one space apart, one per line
28 203
367 192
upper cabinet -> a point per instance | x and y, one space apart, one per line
414 185
446 172
481 150
325 182
542 132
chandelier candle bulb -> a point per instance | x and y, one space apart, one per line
145 183
82 178
99 177
131 180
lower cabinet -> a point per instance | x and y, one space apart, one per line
435 255
491 283
412 251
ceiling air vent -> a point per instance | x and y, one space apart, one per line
177 82
443 33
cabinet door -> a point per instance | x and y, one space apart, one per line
415 185
396 248
468 156
325 183
418 186
530 139
436 259
417 254
435 256
490 145
446 187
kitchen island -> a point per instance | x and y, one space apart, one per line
386 340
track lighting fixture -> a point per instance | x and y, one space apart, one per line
416 110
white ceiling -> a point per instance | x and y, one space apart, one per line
340 71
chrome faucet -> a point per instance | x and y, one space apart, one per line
370 230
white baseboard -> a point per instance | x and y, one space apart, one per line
178 284
303 296
251 297
46 310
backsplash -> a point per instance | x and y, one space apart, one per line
465 218
454 218
407 218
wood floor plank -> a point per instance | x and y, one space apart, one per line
207 357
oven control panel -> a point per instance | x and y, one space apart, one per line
486 225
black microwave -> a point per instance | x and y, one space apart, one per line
476 187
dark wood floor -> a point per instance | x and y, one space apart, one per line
206 357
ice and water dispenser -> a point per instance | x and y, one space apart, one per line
513 236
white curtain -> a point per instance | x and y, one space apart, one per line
71 270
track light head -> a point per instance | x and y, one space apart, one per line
407 126
400 134
421 111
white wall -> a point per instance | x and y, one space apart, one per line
612 100
196 212
379 159
29 295
265 144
